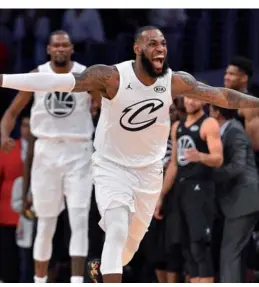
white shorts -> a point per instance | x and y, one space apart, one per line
136 188
61 168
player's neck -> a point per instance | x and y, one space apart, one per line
62 70
143 77
242 90
191 118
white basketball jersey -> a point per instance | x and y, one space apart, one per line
62 115
133 128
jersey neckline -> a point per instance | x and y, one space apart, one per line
138 81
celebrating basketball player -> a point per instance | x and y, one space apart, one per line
131 136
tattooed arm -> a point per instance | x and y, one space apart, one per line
184 83
98 77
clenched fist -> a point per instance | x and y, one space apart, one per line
7 144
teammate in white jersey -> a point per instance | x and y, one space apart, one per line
131 135
62 124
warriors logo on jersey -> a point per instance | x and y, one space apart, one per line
60 104
184 142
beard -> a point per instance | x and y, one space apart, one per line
194 112
148 67
60 64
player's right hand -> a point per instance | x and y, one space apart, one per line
157 213
7 144
26 209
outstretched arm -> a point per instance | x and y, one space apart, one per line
9 118
97 77
184 83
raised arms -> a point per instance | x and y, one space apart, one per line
184 83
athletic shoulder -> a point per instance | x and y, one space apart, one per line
123 65
44 67
210 125
78 67
36 70
211 122
182 82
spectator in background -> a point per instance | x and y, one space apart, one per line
238 76
5 38
24 231
237 194
86 29
169 20
31 31
84 26
11 167
5 26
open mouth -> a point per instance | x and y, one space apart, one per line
158 62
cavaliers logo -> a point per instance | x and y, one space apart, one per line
60 104
128 120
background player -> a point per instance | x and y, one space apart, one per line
197 147
131 136
62 124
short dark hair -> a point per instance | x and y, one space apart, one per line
140 30
58 32
225 113
244 64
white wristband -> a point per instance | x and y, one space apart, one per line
45 82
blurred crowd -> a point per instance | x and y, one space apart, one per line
105 36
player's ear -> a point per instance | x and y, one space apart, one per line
72 48
137 49
244 78
48 50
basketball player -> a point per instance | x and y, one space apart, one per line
62 124
131 135
197 147
237 76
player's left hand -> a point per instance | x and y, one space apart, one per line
193 155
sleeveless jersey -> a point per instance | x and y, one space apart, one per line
190 138
134 126
62 115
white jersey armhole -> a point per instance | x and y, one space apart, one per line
114 99
170 99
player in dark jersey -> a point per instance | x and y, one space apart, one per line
197 148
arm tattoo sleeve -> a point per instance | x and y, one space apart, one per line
223 97
94 77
